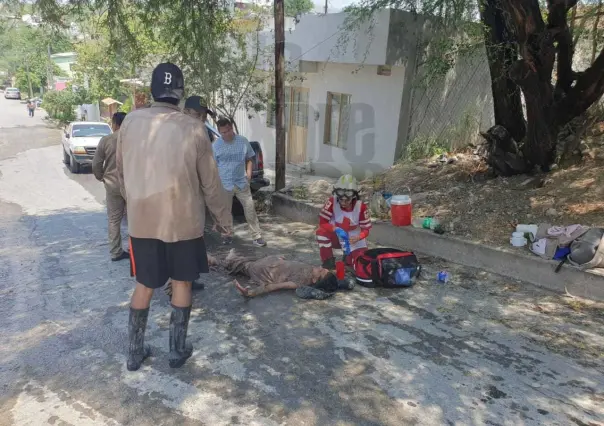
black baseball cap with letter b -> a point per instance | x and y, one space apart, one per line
167 82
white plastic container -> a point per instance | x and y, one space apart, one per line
532 229
518 239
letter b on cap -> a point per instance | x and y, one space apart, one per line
167 78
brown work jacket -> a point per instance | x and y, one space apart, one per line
168 175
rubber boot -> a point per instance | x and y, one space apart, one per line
137 351
180 349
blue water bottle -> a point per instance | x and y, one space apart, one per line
343 236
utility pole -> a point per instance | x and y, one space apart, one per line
31 92
326 2
49 83
280 95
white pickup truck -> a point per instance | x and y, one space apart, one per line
80 140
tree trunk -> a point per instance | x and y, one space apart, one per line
502 51
594 33
280 95
541 46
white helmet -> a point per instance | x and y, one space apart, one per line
347 182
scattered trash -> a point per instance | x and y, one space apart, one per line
426 222
443 277
528 229
518 239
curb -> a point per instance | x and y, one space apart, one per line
518 266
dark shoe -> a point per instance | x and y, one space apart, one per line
307 292
259 242
329 264
125 255
198 284
137 351
347 283
180 349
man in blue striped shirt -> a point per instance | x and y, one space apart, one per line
233 154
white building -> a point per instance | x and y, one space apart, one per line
354 102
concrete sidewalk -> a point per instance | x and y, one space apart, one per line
512 263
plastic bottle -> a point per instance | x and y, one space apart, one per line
425 222
343 236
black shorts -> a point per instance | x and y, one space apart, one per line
152 262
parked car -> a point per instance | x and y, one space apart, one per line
80 140
258 180
12 93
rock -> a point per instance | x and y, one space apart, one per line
553 167
583 146
600 156
551 212
319 189
591 153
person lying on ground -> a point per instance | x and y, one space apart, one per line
345 210
274 273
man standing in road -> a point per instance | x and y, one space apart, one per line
31 107
233 154
105 170
197 108
167 173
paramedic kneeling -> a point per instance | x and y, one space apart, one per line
343 210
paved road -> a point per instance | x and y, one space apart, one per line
480 350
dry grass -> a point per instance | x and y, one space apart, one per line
487 210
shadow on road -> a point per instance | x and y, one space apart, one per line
429 355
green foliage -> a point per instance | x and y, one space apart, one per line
456 136
60 105
298 7
451 29
217 56
127 105
425 146
102 62
25 54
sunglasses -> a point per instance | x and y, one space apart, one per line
345 193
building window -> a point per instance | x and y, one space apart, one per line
337 116
271 116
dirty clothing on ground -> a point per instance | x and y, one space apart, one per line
269 270
166 199
103 163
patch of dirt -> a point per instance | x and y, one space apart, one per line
485 210
475 207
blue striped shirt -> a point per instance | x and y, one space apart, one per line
231 158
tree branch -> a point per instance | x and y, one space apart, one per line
558 27
588 88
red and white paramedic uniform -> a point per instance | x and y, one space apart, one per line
356 221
